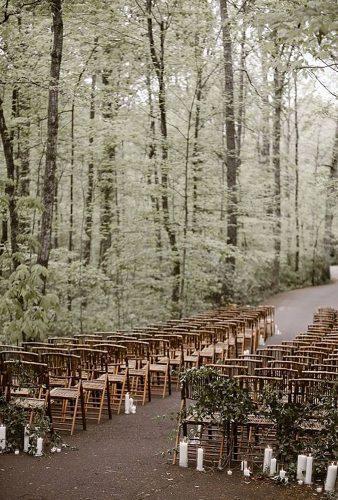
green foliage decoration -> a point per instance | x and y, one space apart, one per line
25 311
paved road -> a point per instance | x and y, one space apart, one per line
123 458
294 310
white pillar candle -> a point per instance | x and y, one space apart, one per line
39 444
2 437
247 472
301 466
308 472
282 474
131 404
183 462
244 464
273 466
133 409
200 454
26 439
267 458
331 478
126 404
261 340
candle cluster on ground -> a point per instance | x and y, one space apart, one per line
270 466
129 406
27 442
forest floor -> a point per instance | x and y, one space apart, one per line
126 458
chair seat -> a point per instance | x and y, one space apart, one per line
93 385
158 368
259 420
137 372
28 403
112 377
57 381
172 361
191 359
21 392
65 392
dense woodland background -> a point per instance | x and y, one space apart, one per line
161 157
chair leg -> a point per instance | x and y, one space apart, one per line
74 417
83 411
169 380
121 396
103 394
108 400
149 385
165 384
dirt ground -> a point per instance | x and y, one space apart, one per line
125 458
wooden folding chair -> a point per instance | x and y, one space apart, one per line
26 385
68 403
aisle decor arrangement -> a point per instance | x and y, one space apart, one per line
220 402
24 424
16 435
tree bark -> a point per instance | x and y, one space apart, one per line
106 182
158 63
90 189
276 143
71 182
230 136
196 161
49 181
10 188
296 175
241 97
331 200
154 198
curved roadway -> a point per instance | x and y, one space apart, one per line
294 309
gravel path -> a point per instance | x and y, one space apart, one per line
126 457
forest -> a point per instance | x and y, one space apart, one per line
162 157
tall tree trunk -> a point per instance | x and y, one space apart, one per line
24 156
71 199
241 97
158 63
10 188
289 177
196 160
276 143
71 182
265 135
90 189
153 167
296 175
331 203
106 181
24 180
49 181
230 135
107 191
